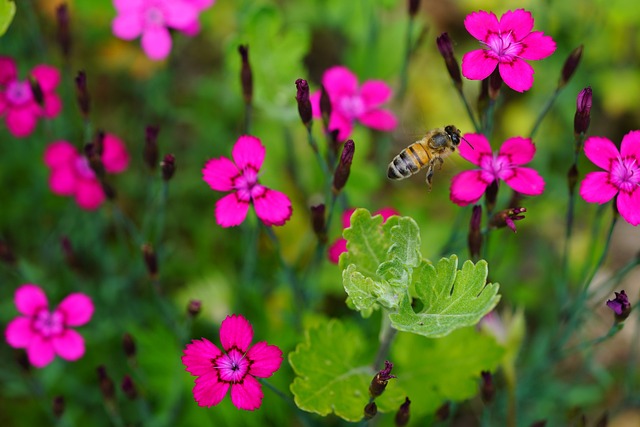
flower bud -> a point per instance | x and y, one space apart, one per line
36 91
402 416
129 388
82 93
150 153
487 389
446 50
475 237
106 383
150 260
443 412
325 107
507 217
318 222
128 345
539 423
370 410
490 196
570 66
414 6
92 153
58 406
6 254
194 307
304 104
582 117
344 166
380 380
108 189
620 306
168 167
246 76
64 34
495 82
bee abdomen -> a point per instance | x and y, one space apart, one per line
406 163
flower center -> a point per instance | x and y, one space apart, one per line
48 324
351 106
494 167
503 47
233 366
625 174
246 184
19 93
83 168
154 17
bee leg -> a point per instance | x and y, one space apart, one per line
440 161
429 175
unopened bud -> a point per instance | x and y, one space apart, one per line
246 76
109 190
475 236
64 33
150 260
304 103
82 93
570 66
325 107
58 406
490 196
539 423
318 222
92 153
507 217
443 412
620 305
414 6
129 388
487 389
344 166
370 410
495 82
380 380
36 91
582 118
194 307
168 167
106 383
402 416
446 50
128 345
6 254
150 153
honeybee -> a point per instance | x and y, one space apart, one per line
428 152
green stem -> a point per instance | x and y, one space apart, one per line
488 125
467 106
615 328
404 71
248 113
321 161
386 338
544 112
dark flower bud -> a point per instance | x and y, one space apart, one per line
402 416
443 412
490 196
495 82
304 104
194 307
58 406
487 389
108 189
344 166
22 360
507 217
150 260
246 76
82 93
168 167
570 66
106 383
582 117
128 345
540 423
475 237
129 388
414 6
92 153
446 50
370 410
64 34
620 306
381 379
325 107
36 91
150 153
318 222
6 254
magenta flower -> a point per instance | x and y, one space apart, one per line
236 367
152 19
18 105
621 174
241 177
71 174
340 245
469 186
194 28
509 42
350 102
45 333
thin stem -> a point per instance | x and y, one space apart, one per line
544 112
603 255
467 106
404 71
387 335
615 328
488 125
314 146
248 115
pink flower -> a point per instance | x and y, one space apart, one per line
152 19
236 367
509 42
350 102
71 174
45 333
621 174
467 187
17 102
194 28
241 177
340 245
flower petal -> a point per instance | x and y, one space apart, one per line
314 98
526 181
127 5
198 356
62 181
518 150
127 26
69 345
342 124
477 148
21 122
8 70
601 151
236 331
89 194
518 75
114 155
19 333
346 217
40 351
478 65
231 211
467 187
336 249
248 151
76 309
220 173
375 93
156 42
272 207
30 299
52 105
518 22
48 77
629 206
202 4
630 146
179 14
481 23
379 119
209 390
386 213
339 81
59 153
265 358
596 188
537 46
247 395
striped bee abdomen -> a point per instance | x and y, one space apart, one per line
408 162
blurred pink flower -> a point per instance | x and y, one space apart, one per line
509 42
621 175
71 174
241 177
152 19
468 187
236 367
18 105
45 333
350 102
340 245
194 28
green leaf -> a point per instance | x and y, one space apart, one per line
451 298
7 12
333 375
433 371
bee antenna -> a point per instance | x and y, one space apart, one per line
465 140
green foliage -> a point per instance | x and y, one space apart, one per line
379 270
7 12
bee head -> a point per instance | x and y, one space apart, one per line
453 133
